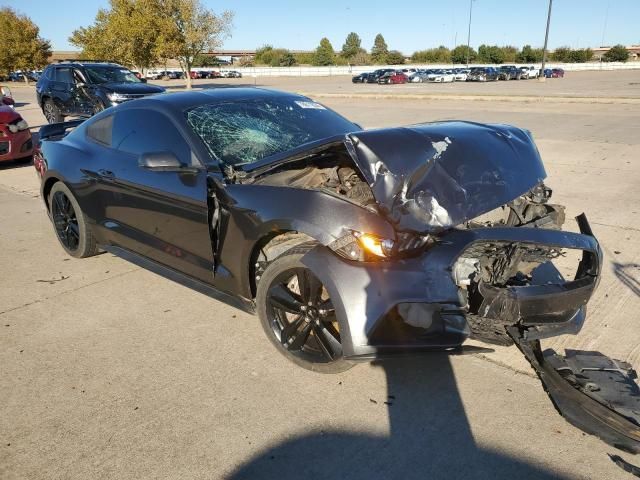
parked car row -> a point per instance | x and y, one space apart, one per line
195 74
474 74
18 76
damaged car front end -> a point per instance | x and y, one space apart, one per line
473 241
477 251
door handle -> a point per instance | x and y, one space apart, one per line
106 174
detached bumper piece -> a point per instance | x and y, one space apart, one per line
594 393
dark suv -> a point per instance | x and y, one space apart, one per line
82 89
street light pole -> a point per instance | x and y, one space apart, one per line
469 33
544 49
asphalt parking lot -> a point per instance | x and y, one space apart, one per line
112 372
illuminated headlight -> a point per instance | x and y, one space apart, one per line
365 247
117 97
18 126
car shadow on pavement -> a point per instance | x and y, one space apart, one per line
629 275
430 437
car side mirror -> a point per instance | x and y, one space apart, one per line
143 80
159 161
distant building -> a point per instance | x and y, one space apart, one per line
634 52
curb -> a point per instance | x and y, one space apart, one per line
481 98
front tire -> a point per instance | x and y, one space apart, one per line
70 224
51 112
298 316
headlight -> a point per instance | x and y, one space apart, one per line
366 247
117 97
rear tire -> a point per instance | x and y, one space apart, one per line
297 314
71 227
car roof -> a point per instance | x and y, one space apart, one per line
86 64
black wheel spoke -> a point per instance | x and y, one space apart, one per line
284 299
328 343
326 308
59 203
300 337
73 229
289 329
310 286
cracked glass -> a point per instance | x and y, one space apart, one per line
245 132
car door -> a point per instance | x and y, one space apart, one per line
62 90
161 215
82 91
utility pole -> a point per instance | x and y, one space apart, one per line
544 49
469 33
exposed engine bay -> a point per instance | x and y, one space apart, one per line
328 173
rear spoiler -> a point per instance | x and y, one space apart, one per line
58 129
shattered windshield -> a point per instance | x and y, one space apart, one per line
248 131
99 74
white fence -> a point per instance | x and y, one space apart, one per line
308 71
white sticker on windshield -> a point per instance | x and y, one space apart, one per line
313 105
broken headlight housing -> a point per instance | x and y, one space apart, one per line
18 126
366 247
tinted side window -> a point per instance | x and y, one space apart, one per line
48 73
64 75
145 131
101 130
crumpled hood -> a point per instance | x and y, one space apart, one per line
430 177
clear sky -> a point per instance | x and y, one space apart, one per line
407 25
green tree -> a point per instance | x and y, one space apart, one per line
617 53
432 55
145 32
121 33
529 55
561 54
361 58
394 57
22 47
510 53
304 58
490 54
459 54
380 50
324 54
205 61
264 54
581 55
352 46
187 29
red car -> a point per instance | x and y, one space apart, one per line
15 136
195 75
393 77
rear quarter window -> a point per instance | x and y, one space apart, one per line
101 130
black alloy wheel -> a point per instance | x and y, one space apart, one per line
65 221
298 316
70 225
